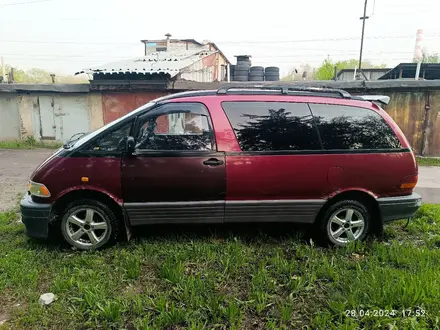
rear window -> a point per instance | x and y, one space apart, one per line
266 126
345 127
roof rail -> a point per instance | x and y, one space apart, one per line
284 89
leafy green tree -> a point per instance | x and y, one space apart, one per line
430 57
41 76
327 70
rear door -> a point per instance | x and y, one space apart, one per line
176 174
361 143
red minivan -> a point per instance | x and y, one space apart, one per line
237 154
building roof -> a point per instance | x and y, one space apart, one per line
429 71
365 70
169 63
172 40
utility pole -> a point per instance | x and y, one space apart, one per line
363 18
2 63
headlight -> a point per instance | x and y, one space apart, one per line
38 189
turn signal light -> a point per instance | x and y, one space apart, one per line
38 189
409 182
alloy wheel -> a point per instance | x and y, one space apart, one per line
345 225
86 227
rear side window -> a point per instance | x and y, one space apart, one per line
266 126
345 127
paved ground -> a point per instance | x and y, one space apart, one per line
15 168
429 184
17 165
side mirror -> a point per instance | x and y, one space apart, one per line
130 145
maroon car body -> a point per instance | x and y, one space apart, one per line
217 168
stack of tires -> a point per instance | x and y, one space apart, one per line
241 72
272 73
256 73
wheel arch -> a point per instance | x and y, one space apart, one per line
362 196
61 203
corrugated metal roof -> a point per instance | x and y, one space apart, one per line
158 62
429 71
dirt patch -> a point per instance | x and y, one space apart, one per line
16 166
3 318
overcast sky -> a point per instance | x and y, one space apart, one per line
68 35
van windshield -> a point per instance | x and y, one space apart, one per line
76 142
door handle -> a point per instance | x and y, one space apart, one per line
213 162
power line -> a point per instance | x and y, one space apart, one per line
23 3
69 42
348 52
324 39
258 58
223 42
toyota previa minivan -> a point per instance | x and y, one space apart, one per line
237 154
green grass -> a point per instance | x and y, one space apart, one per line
200 278
29 143
427 161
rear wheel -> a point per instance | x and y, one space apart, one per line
89 224
344 222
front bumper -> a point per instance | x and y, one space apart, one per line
36 217
401 207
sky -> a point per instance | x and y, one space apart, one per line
65 36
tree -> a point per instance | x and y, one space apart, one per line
327 70
304 72
40 76
430 57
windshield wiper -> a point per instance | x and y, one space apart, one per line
73 138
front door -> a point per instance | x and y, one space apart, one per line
176 174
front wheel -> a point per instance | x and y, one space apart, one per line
89 224
345 222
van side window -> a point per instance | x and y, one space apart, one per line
113 140
174 128
266 126
346 127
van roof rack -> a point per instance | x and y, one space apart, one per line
283 89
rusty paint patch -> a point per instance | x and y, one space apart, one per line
116 105
408 110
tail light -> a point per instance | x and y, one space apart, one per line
409 182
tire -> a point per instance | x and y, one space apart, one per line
241 68
254 78
246 65
272 69
88 212
257 69
329 226
241 74
246 59
241 78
